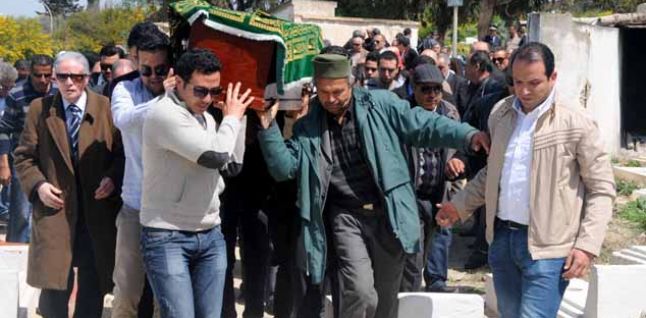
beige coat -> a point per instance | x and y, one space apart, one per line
572 185
44 155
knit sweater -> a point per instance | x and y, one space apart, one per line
178 193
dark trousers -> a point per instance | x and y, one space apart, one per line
251 226
89 298
369 263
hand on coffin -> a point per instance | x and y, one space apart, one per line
236 104
267 116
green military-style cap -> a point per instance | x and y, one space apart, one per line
331 66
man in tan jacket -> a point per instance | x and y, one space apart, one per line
548 189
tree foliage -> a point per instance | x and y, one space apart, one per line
89 30
62 7
21 38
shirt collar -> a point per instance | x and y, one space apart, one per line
81 103
540 109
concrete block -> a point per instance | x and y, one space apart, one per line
9 291
574 299
617 291
641 8
432 305
634 255
637 194
635 174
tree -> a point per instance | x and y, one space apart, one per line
62 7
89 30
21 38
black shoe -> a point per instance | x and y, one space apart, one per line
476 260
441 288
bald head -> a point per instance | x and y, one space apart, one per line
430 53
122 67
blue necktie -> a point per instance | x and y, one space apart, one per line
73 126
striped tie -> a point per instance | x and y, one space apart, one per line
73 126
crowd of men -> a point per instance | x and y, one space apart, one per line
144 172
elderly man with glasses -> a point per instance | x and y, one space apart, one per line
70 163
39 84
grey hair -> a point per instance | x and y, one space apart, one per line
72 55
7 73
444 56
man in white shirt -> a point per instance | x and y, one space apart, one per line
548 188
131 100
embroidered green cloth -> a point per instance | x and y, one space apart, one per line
297 43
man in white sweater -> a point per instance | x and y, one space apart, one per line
184 154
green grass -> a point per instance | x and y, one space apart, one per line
626 188
635 212
633 163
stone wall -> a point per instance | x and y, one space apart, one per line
339 29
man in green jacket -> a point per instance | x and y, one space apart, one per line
355 190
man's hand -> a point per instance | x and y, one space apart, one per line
170 81
577 264
5 170
50 196
106 187
454 168
480 140
236 104
447 215
268 115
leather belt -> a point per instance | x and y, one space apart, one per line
510 224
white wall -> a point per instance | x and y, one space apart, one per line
588 65
339 29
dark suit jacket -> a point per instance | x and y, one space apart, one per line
44 155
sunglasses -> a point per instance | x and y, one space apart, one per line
106 67
39 75
76 78
159 70
498 60
201 92
428 89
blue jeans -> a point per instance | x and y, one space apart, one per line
186 270
4 201
525 288
437 262
19 226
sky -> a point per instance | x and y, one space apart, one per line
28 8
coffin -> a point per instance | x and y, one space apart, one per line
269 55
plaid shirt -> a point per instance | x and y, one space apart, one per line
13 119
351 183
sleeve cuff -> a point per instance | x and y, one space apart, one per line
5 147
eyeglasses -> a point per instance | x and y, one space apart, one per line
201 92
39 75
387 70
428 89
106 67
160 70
76 78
